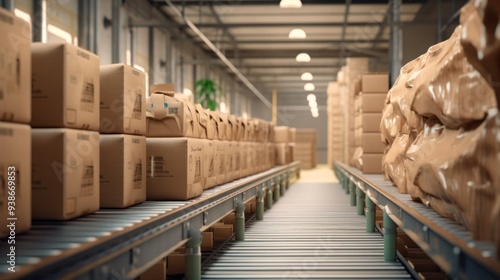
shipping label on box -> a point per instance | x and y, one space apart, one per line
220 161
168 116
374 102
371 122
15 176
65 178
123 170
123 100
372 143
15 68
375 83
209 164
174 168
69 94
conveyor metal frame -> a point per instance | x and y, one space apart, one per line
131 250
449 244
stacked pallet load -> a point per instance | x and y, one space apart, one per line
441 125
190 149
305 148
335 121
15 129
284 138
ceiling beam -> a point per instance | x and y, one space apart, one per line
252 42
236 3
291 53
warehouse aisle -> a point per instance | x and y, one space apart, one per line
311 233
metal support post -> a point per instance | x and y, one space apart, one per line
395 39
239 221
389 238
260 204
193 255
360 200
38 19
269 198
370 215
352 193
115 31
8 4
276 194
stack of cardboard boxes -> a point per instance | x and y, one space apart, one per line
283 139
15 117
335 124
122 140
374 92
305 148
209 148
65 137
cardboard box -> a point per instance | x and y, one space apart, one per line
222 232
214 123
372 143
244 159
176 264
375 83
207 241
229 160
281 134
209 163
220 161
123 100
371 122
225 131
157 272
292 134
65 178
284 153
168 116
15 68
15 175
234 129
123 170
68 94
174 168
237 160
206 127
271 155
229 218
372 163
373 102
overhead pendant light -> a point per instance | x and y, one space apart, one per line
311 97
303 57
286 4
297 34
315 114
313 104
309 87
306 76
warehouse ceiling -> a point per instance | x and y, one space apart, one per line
253 35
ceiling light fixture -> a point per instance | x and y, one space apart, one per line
297 34
309 87
315 114
286 4
306 76
313 104
303 57
311 97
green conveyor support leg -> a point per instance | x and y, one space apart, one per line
389 238
283 185
276 194
260 204
342 180
370 215
352 193
347 185
193 255
360 201
239 221
269 198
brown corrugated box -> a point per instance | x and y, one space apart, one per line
292 134
220 161
174 168
123 170
157 272
281 134
229 160
15 175
375 83
123 100
176 264
243 150
237 159
168 116
207 241
283 155
372 163
271 154
225 129
15 69
371 122
222 232
209 163
372 143
68 94
373 102
206 128
65 178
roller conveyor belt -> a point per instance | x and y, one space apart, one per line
311 233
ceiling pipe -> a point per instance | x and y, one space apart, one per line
220 55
